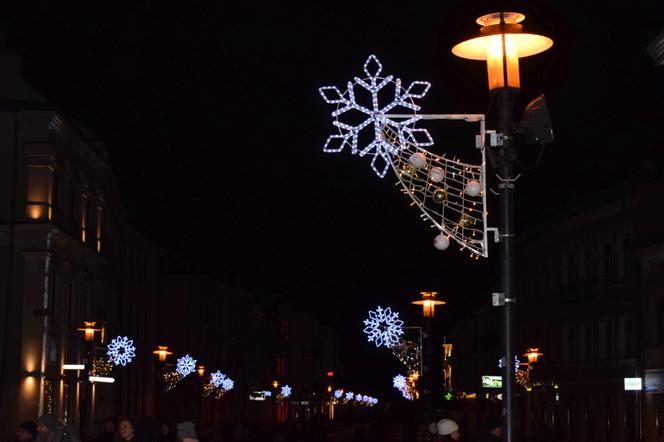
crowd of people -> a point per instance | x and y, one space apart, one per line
388 428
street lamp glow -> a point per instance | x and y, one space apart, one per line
162 352
502 41
532 354
429 303
89 330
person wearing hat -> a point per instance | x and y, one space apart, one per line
26 432
448 430
187 432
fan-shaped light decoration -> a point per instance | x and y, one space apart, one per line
408 353
373 114
448 192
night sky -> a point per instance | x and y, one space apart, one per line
214 125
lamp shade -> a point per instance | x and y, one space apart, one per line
429 303
498 41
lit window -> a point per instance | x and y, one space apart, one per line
38 204
98 229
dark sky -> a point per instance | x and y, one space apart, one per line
214 125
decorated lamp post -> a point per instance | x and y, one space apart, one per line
430 385
501 42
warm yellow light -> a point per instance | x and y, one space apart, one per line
329 389
89 330
162 352
532 354
275 384
201 370
428 303
489 46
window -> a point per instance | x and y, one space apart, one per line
608 261
627 257
659 321
98 228
84 216
38 203
281 366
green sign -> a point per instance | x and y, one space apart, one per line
492 381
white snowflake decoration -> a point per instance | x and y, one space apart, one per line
338 394
121 350
399 382
517 363
185 365
358 397
375 113
383 327
350 395
227 384
217 378
286 391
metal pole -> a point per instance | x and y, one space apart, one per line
506 155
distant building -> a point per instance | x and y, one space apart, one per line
591 297
67 256
254 345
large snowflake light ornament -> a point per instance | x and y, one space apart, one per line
121 351
186 365
217 378
375 115
286 391
400 382
383 327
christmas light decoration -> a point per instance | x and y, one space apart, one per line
217 378
101 367
408 353
375 115
383 327
227 384
185 366
170 380
399 382
286 391
121 350
338 393
349 396
449 193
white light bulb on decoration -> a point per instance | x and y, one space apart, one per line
441 241
436 174
418 160
473 188
338 394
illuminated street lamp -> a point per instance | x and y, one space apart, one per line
428 303
201 370
501 42
532 354
162 352
89 330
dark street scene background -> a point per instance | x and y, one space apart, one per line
163 179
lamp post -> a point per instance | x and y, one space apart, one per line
429 303
87 416
501 42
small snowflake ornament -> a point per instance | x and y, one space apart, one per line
374 116
286 391
217 378
350 395
338 394
383 327
227 384
399 382
186 365
121 351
